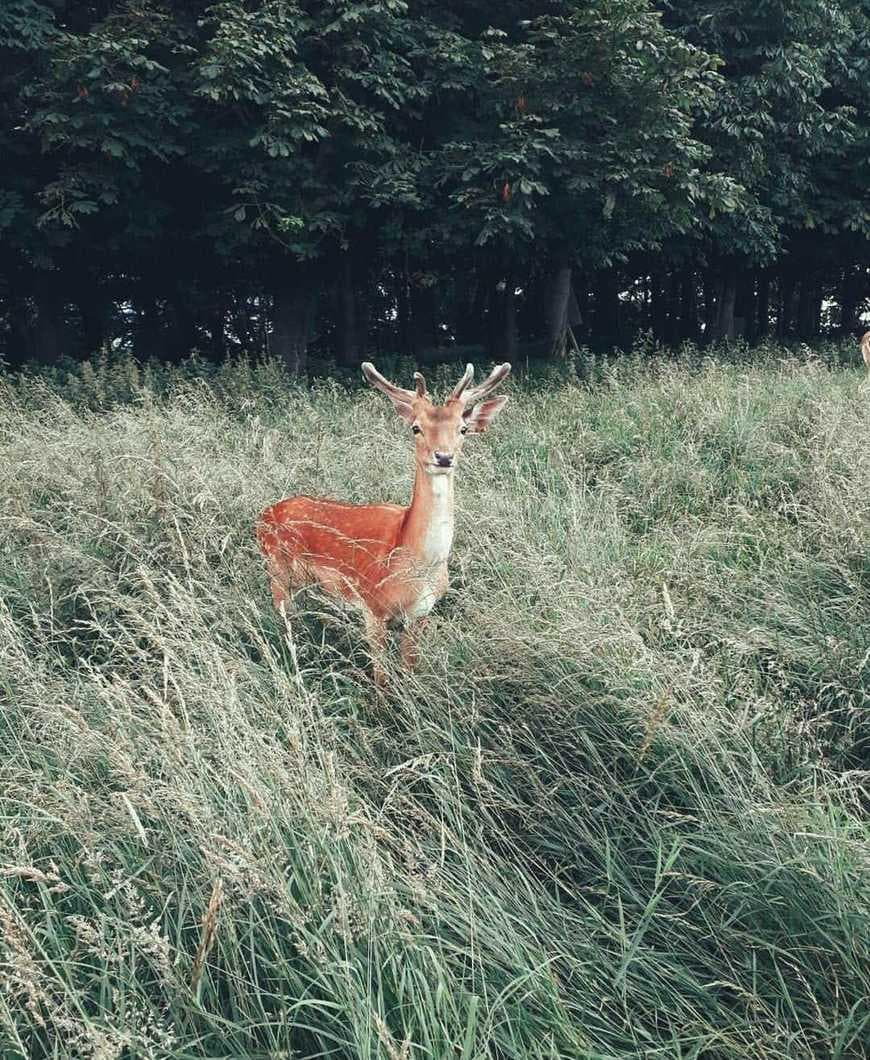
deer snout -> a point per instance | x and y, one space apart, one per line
443 459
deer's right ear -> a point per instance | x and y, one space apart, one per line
400 398
404 410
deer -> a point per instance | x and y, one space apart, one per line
388 560
865 349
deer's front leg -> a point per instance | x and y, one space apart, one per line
376 632
410 643
280 596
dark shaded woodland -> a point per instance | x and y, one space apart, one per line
321 180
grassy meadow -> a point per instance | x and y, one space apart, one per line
621 811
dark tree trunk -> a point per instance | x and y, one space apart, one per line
809 308
581 291
605 326
50 333
658 318
424 334
20 339
672 336
348 349
94 311
509 333
723 329
762 318
848 303
293 310
503 321
217 330
744 304
787 284
712 298
476 327
689 328
558 292
363 324
148 340
403 311
464 308
185 334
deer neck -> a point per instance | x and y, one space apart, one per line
428 529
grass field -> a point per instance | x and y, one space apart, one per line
620 811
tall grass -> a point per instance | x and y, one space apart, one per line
620 811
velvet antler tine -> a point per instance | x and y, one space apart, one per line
390 389
496 376
458 390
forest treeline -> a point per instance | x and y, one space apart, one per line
327 178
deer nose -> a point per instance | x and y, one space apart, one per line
443 459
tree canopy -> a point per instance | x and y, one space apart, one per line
318 178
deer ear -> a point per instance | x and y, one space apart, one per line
478 418
403 409
402 406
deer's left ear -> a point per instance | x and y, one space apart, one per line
478 418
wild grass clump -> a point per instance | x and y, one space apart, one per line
620 811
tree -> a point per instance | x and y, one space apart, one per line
772 123
309 177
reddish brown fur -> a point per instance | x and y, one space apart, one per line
355 547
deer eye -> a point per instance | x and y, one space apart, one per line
417 429
463 429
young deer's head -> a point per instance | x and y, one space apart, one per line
439 430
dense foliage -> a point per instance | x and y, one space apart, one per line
620 811
327 176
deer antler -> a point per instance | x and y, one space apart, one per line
456 392
478 393
397 393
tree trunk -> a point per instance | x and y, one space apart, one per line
712 299
556 309
19 314
363 325
217 331
786 305
809 308
672 336
605 327
348 349
724 327
50 333
469 304
848 299
185 334
148 338
744 304
689 328
94 310
403 311
580 287
658 318
424 334
503 321
509 333
762 318
293 310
